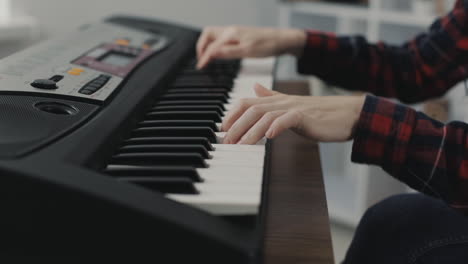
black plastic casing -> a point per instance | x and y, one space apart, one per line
54 200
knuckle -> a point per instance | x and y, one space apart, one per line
243 103
296 114
256 110
269 116
234 29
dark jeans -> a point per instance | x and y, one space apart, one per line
410 228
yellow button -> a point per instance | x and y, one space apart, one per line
122 42
71 72
76 71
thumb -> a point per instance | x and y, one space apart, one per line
261 91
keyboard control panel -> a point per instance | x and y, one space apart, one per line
89 64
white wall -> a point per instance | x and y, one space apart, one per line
58 16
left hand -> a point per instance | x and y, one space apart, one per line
322 118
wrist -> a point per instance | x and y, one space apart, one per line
292 41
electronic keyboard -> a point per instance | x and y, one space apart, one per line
110 144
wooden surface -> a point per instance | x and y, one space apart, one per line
298 229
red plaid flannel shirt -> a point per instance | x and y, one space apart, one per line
429 156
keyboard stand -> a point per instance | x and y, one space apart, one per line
298 229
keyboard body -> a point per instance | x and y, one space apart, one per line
56 142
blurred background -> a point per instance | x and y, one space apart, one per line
350 188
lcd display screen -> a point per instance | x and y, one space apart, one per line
117 59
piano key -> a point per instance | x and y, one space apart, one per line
257 66
170 140
221 204
236 158
220 138
205 132
166 148
227 190
228 73
235 175
196 96
204 78
161 159
183 123
190 115
232 180
218 109
153 171
218 103
240 148
198 90
174 185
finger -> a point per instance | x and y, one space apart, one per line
240 107
236 112
207 36
258 130
211 50
289 120
246 121
261 91
234 51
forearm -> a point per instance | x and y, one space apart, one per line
422 68
291 41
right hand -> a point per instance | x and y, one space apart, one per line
322 118
233 42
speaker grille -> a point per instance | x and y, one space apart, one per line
24 127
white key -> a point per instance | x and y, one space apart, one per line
257 66
226 190
233 182
220 137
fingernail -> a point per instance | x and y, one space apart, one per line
269 134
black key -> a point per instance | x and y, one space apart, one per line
170 140
205 132
173 185
180 123
204 78
199 90
152 171
188 108
154 148
188 115
192 102
201 85
226 72
195 96
160 159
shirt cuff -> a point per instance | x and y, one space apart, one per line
383 133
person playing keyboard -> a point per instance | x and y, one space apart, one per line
428 155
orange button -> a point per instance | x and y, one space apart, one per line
146 46
122 42
75 71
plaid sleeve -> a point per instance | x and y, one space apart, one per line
422 68
429 156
